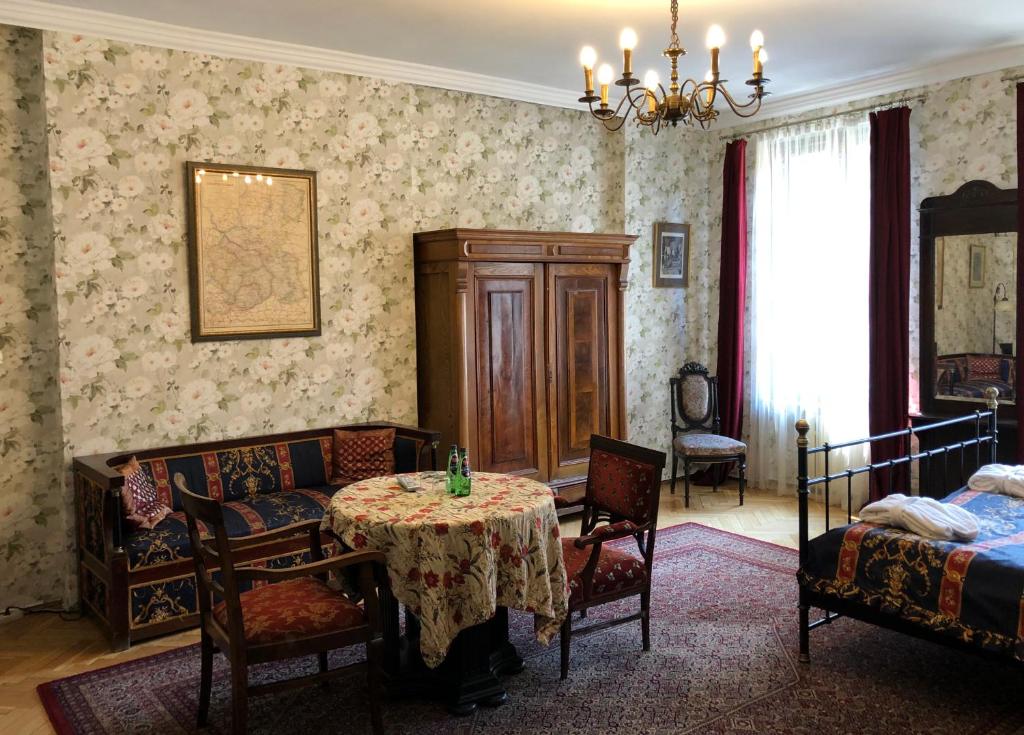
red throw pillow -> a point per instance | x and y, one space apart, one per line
983 368
359 455
142 509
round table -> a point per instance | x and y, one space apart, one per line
457 564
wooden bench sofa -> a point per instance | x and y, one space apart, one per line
140 583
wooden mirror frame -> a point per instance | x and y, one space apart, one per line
976 208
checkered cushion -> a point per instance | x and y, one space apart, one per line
983 367
142 508
296 608
617 570
359 455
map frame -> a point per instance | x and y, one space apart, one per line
201 332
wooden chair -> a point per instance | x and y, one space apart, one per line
694 403
297 614
623 488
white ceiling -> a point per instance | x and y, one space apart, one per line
813 44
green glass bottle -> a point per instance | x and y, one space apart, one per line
465 479
451 474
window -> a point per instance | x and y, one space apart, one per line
809 292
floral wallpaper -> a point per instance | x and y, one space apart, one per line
33 541
391 159
666 181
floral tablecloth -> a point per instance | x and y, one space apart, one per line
452 560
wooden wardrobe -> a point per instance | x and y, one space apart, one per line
519 347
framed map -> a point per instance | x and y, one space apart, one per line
252 238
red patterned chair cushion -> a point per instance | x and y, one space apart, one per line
359 455
983 367
294 609
142 508
622 486
617 570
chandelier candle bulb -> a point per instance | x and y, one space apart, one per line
756 44
604 78
588 57
710 94
627 42
651 85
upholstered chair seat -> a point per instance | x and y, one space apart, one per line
296 608
616 570
708 445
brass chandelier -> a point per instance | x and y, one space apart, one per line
688 102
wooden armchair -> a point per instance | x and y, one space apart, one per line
297 614
623 489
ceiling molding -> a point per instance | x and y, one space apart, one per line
876 85
52 17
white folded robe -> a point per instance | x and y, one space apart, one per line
1005 479
924 516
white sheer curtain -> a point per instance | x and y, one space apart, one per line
809 296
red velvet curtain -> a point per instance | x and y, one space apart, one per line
732 299
1020 269
889 292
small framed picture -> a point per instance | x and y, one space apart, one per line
977 272
671 255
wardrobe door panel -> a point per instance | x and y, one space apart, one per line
581 315
511 431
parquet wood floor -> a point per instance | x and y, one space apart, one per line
39 648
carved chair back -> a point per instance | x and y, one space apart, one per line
623 483
212 553
694 400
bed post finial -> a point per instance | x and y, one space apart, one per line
802 427
992 396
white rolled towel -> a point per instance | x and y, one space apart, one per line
1004 479
924 516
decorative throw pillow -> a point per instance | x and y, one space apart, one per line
981 367
359 455
142 509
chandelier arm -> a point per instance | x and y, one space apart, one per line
748 109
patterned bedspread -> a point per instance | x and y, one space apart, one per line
970 591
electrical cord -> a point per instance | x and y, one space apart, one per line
65 615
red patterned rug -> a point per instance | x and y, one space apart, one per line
723 660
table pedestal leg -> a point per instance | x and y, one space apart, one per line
469 675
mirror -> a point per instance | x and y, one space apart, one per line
968 297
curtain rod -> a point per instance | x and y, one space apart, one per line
854 111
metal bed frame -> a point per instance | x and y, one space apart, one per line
984 442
